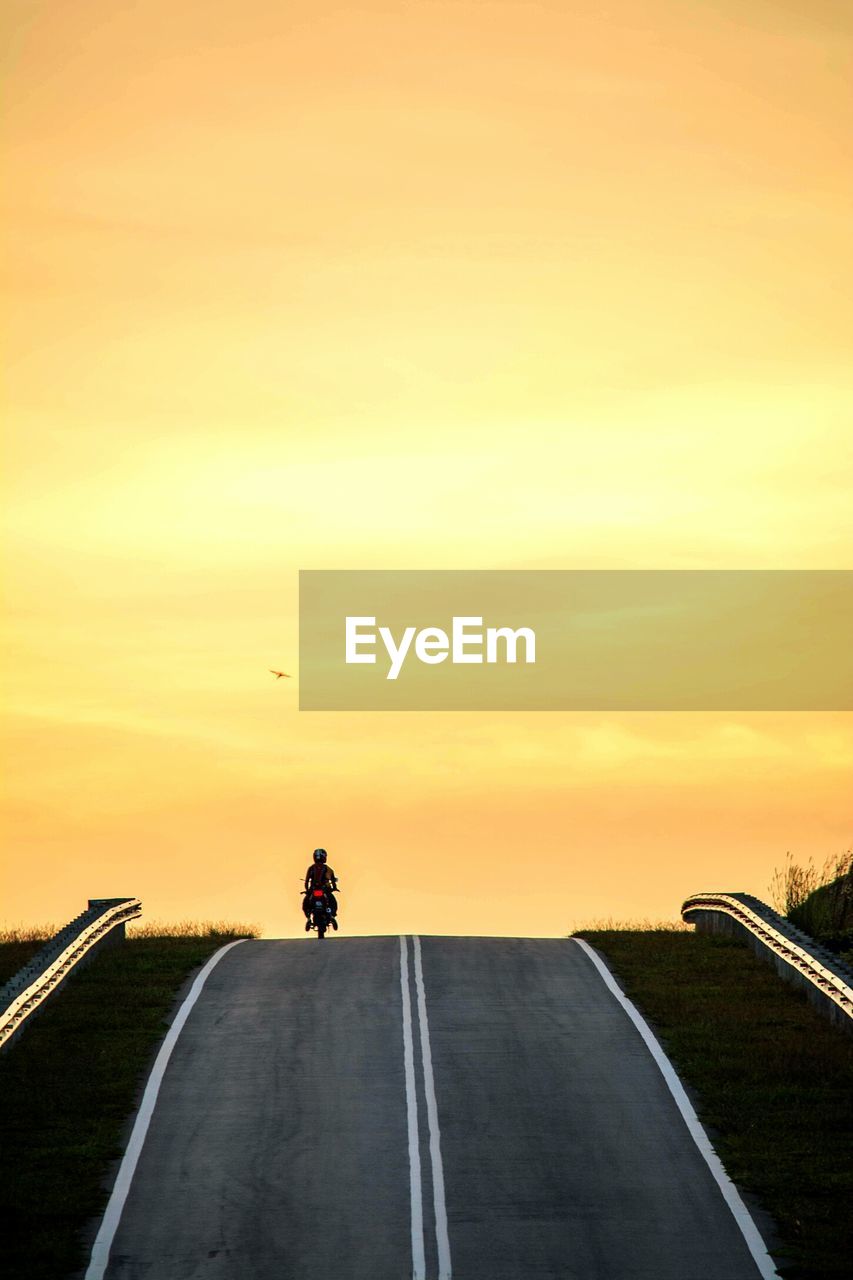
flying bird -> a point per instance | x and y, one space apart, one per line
279 674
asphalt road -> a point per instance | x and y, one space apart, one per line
312 1123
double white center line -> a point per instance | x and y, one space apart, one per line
440 1207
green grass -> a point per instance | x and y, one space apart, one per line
773 1079
67 1088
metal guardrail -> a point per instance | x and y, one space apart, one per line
795 955
27 991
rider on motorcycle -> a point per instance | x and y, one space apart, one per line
320 876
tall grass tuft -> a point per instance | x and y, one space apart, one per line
818 900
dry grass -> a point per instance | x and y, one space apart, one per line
20 943
27 933
632 926
144 929
192 929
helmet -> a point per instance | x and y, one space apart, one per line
319 855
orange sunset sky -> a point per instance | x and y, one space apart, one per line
408 285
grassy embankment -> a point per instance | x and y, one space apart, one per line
772 1080
69 1084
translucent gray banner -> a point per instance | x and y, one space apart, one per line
555 640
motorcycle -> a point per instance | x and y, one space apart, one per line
320 915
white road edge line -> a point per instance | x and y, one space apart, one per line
112 1216
441 1237
418 1253
730 1193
